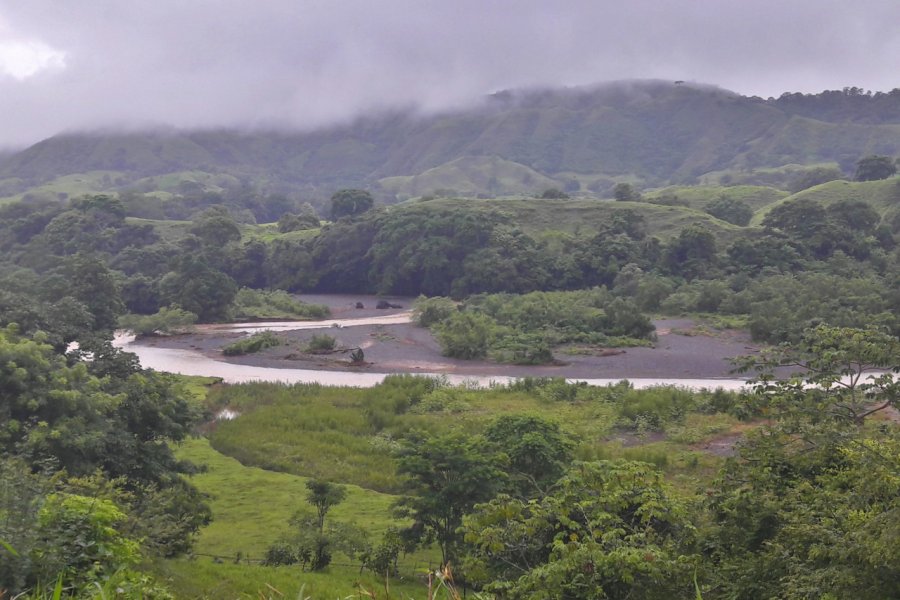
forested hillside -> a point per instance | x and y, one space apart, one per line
583 139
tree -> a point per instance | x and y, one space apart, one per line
465 335
290 222
106 417
609 529
804 220
538 451
324 495
692 253
554 194
625 192
90 282
812 177
446 477
812 502
350 203
875 167
196 287
313 544
732 210
216 229
167 320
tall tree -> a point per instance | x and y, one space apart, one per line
446 477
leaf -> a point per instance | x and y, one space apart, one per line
57 591
8 548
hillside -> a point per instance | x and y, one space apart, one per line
583 139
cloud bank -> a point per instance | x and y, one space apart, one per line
303 63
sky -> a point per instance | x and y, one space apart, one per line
70 65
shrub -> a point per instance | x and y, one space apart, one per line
466 335
273 304
278 554
731 210
522 349
254 343
429 311
169 319
653 408
321 344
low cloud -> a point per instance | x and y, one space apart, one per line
293 63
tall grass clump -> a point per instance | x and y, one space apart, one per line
321 344
255 343
654 408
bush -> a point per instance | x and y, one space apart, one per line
522 349
275 304
321 344
466 335
279 554
429 311
653 408
254 343
731 210
169 319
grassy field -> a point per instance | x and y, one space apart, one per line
251 508
348 434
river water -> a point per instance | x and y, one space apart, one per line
191 362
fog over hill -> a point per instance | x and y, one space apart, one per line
585 138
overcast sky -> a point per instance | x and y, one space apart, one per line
68 65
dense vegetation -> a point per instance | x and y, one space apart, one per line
523 329
539 488
88 481
529 490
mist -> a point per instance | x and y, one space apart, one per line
68 66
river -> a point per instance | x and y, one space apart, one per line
192 362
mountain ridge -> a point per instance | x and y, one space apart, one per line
649 132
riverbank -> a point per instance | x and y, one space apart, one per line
393 345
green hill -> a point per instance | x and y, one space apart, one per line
650 133
883 196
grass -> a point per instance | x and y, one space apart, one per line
251 508
274 304
469 176
71 186
347 434
883 196
536 216
197 386
202 578
168 230
698 197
